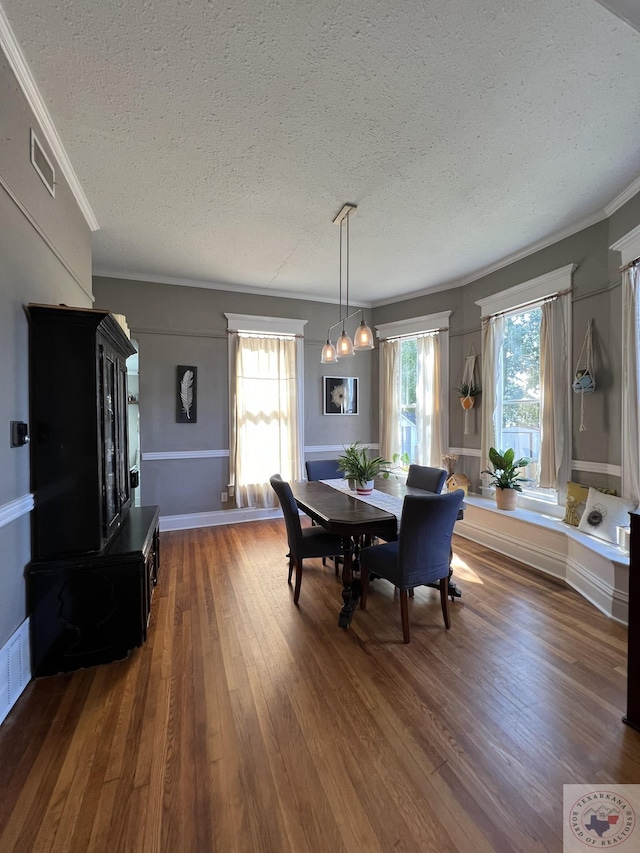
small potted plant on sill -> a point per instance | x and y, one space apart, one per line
358 466
467 392
506 476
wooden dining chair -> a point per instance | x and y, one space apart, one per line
303 541
424 477
421 555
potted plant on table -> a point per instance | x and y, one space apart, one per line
506 476
357 465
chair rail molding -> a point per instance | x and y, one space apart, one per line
16 508
155 455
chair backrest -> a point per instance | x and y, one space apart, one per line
290 512
424 546
429 479
323 469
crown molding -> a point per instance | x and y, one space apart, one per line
20 68
505 262
623 198
216 285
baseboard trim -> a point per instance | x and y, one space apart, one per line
595 569
15 668
216 518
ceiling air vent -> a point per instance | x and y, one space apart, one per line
42 164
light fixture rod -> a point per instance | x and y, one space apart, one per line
344 211
353 314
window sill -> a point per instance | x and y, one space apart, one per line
597 569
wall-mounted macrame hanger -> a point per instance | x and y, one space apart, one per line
585 380
468 379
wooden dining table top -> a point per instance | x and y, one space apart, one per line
342 513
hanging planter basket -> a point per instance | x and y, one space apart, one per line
585 380
467 402
584 383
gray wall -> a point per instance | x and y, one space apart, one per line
186 325
596 294
30 271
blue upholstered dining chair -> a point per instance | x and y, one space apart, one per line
424 477
303 541
323 469
421 554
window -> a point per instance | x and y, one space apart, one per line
408 382
629 247
526 379
519 405
414 357
266 391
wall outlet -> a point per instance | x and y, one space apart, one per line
224 497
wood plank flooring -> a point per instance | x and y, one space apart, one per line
247 724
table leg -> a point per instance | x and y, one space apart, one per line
351 588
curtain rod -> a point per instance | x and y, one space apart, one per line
247 334
525 305
628 266
431 332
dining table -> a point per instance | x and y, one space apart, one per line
338 510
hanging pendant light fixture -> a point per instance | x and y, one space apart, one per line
345 347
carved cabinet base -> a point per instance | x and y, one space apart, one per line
95 609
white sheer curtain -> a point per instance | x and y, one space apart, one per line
265 430
492 340
555 441
389 430
630 384
431 400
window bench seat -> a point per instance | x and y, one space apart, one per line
596 569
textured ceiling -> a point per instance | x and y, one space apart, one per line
216 141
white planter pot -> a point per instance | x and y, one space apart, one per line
364 488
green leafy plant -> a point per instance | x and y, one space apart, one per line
356 464
467 389
506 469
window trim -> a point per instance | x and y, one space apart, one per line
533 290
265 325
414 325
527 294
260 325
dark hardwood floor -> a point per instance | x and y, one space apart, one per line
247 724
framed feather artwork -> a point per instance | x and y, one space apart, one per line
187 394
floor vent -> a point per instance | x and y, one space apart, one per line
15 668
42 164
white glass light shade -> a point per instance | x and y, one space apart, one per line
344 346
329 355
363 338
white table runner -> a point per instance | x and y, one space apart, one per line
381 500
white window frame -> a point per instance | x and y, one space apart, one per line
519 297
253 323
423 325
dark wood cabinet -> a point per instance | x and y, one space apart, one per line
95 608
633 656
95 560
79 450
